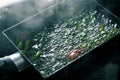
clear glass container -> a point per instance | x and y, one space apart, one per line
61 34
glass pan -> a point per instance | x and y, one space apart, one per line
62 33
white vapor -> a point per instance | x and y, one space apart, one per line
4 3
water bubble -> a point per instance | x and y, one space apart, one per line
35 46
102 32
115 25
83 20
34 64
42 72
103 16
39 45
110 20
94 12
35 39
43 55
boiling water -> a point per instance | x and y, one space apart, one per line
84 31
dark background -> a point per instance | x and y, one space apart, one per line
101 64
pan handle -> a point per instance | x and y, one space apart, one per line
13 64
7 66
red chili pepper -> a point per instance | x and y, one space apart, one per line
74 53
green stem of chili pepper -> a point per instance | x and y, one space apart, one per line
27 44
20 45
37 55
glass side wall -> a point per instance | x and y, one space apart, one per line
62 33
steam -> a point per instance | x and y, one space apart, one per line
26 9
5 3
23 9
